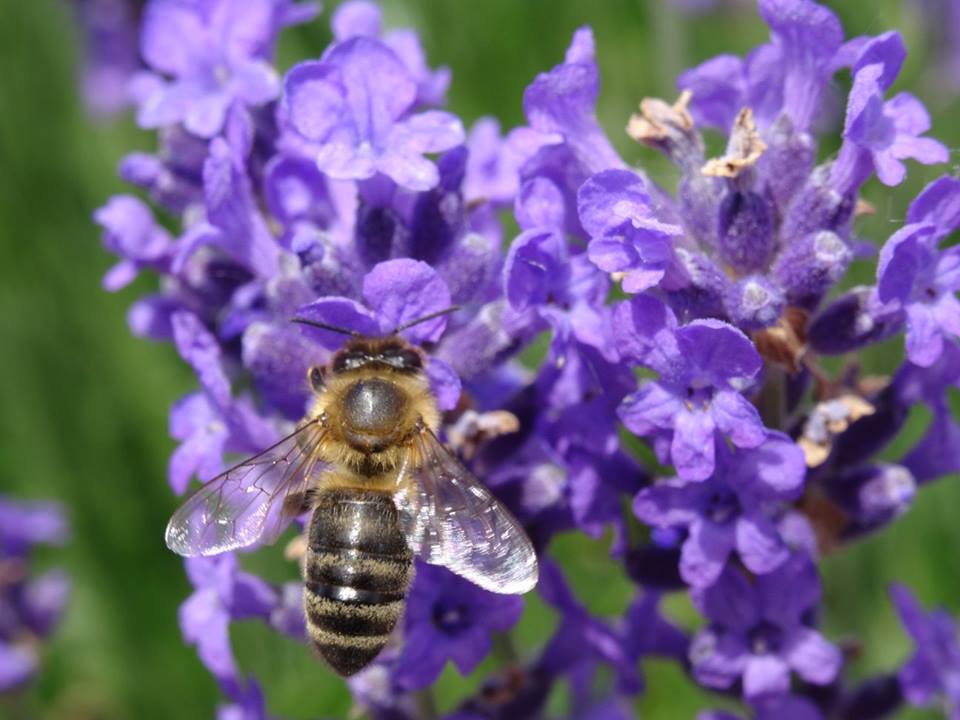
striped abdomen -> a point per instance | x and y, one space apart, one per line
357 571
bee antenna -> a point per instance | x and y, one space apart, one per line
425 318
325 326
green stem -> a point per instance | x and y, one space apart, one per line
426 704
504 650
773 398
670 42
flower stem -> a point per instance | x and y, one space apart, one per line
504 650
426 704
772 402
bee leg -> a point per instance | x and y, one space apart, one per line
296 504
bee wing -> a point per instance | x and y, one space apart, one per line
451 519
247 502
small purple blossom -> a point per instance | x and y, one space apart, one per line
730 511
757 633
923 282
204 57
353 107
449 618
703 369
934 669
30 605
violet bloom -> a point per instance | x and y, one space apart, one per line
396 292
616 209
110 53
222 593
922 281
883 133
210 423
30 606
131 232
731 510
773 707
207 56
352 108
757 631
933 673
449 618
703 368
360 18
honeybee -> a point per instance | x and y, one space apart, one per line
382 489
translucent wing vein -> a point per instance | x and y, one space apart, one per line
453 520
248 502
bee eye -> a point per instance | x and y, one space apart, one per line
316 378
410 359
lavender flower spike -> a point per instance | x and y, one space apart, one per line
934 669
30 606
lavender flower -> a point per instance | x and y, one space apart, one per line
449 619
205 57
934 669
30 607
731 510
703 368
353 107
757 632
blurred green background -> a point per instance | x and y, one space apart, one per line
83 404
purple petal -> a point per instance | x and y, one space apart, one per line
723 351
759 544
172 37
938 204
17 665
924 342
730 602
338 312
775 469
765 674
789 591
692 448
403 291
612 198
668 503
650 408
719 91
314 100
357 17
200 349
644 330
705 552
814 659
737 418
540 205
444 383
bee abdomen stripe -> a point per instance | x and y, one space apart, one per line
359 571
325 638
353 596
352 620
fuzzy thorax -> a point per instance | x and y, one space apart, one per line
371 415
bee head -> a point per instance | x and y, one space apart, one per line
387 354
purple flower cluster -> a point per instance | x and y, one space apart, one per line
30 606
341 192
